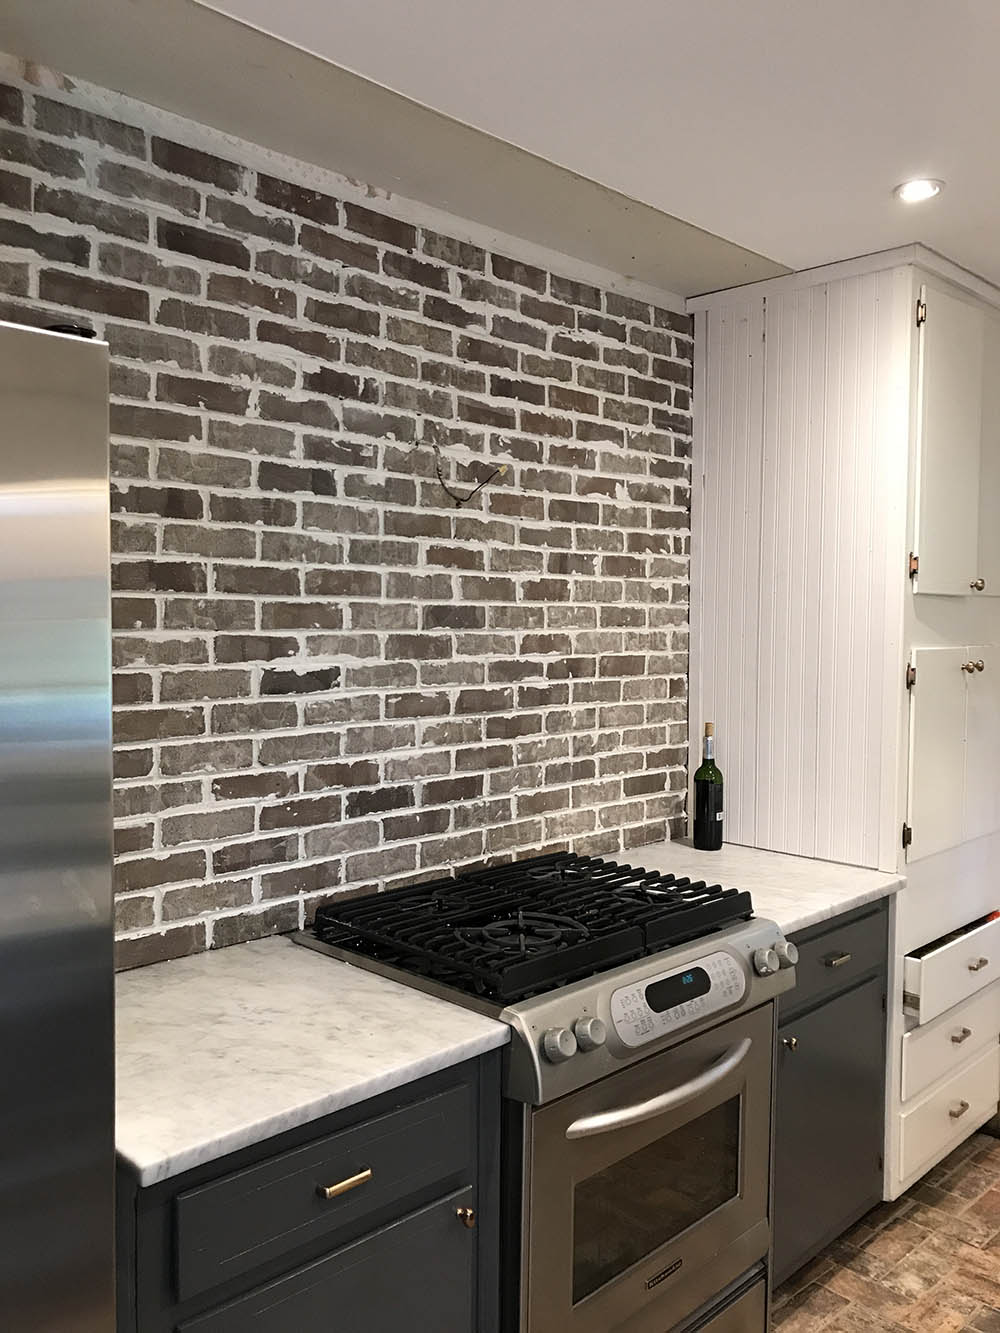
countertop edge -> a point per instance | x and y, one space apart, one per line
161 1169
815 915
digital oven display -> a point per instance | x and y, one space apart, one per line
682 986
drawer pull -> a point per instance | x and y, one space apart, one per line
959 1037
837 960
791 1042
342 1186
979 964
962 1108
467 1217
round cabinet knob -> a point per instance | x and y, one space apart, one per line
765 962
590 1033
788 954
977 585
558 1044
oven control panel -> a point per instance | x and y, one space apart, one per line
647 1010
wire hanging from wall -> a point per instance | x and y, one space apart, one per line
455 495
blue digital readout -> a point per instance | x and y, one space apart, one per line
677 989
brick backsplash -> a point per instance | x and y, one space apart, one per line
328 675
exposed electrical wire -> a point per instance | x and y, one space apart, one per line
453 494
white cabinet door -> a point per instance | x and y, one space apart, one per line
951 402
937 751
988 567
982 743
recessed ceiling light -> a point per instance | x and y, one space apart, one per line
916 191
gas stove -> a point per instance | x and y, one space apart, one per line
578 954
637 1086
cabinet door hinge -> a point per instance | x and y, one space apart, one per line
921 313
914 565
907 835
911 676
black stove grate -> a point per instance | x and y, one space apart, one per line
511 931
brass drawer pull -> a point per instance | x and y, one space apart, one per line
342 1186
837 960
962 1108
968 667
978 585
979 964
980 665
959 1037
467 1217
791 1042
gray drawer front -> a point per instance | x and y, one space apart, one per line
831 960
416 1274
233 1225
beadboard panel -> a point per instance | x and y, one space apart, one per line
726 563
798 583
830 627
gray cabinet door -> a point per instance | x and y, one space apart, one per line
418 1273
829 1123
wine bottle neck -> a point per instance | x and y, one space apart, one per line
709 749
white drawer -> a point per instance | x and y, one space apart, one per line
942 1119
933 1050
949 974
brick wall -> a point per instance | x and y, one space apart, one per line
327 674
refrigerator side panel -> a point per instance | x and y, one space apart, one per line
56 960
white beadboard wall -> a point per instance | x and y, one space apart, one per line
799 522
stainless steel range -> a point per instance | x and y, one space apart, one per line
638 1081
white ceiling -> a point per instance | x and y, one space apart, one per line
781 125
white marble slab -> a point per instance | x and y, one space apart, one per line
222 1050
794 891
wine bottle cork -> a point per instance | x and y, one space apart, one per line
709 728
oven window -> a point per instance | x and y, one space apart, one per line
639 1203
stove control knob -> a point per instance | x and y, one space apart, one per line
590 1033
765 962
788 954
558 1044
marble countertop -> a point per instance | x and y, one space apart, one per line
222 1050
793 891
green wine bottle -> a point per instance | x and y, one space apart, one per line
708 798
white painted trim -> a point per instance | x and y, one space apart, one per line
916 254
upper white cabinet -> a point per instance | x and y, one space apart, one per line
840 430
958 468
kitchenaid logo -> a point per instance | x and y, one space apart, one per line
662 1276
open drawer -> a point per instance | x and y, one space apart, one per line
948 971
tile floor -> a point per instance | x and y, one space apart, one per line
927 1263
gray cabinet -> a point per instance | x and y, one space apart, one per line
830 1098
380 1217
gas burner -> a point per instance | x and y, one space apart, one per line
508 932
525 933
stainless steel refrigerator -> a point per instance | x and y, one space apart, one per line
56 966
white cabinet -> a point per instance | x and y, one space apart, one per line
982 742
956 531
954 792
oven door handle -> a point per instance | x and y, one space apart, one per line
624 1116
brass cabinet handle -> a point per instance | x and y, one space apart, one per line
467 1217
342 1186
969 667
837 960
791 1042
962 1108
980 665
977 585
979 964
959 1037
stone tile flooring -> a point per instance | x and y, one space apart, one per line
927 1263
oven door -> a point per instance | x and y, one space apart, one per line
647 1193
